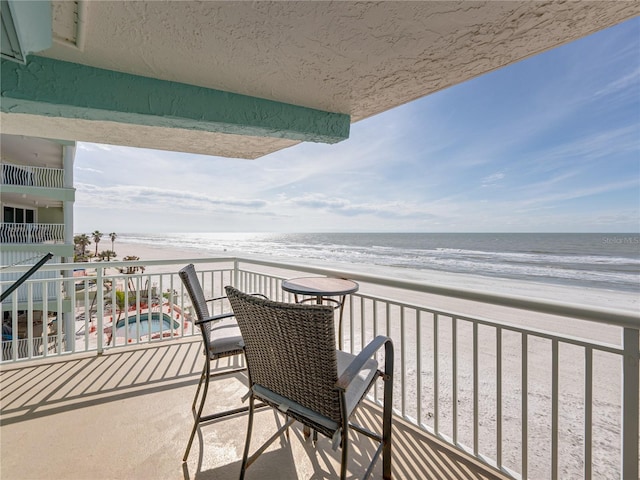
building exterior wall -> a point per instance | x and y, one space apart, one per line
37 176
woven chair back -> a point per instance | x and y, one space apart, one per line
190 280
290 349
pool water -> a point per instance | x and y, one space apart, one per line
146 327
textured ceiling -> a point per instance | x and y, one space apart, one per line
357 58
35 152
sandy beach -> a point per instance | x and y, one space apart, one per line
575 295
607 421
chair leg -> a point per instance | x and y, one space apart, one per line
245 455
202 377
345 452
205 376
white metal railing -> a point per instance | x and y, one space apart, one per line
28 348
11 174
525 400
31 232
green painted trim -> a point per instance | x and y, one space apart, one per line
55 88
61 194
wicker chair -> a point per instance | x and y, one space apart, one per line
221 338
294 367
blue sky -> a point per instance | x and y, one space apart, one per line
549 144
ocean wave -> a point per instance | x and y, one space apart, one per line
570 263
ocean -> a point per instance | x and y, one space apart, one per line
595 260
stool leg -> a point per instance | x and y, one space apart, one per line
196 422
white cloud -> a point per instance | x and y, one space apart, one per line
581 192
492 180
623 83
151 198
88 169
94 147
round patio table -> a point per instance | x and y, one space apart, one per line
321 289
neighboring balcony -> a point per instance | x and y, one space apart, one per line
28 176
35 185
485 386
50 233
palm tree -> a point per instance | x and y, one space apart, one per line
81 243
121 304
106 255
97 235
113 236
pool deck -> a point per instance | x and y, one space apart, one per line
127 415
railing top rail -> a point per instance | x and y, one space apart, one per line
621 318
120 264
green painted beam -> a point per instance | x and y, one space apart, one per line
54 88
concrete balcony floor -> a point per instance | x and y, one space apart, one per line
127 414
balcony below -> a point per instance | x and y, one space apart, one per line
31 176
49 233
126 414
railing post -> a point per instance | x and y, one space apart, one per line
68 317
236 273
100 309
630 386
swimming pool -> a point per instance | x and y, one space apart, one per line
130 327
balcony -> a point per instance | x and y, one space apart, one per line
49 233
29 176
126 414
474 396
